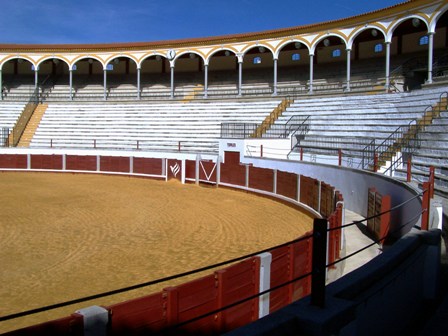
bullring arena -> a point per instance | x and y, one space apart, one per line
204 186
110 232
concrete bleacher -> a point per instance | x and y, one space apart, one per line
349 122
10 113
146 126
433 151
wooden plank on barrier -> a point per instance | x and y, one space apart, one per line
280 274
138 316
287 184
301 265
70 325
148 166
53 162
80 163
13 161
194 299
371 209
261 179
116 164
235 283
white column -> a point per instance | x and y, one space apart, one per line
387 66
172 81
138 83
348 70
1 86
71 84
275 77
205 80
430 56
311 73
240 77
36 78
265 283
105 84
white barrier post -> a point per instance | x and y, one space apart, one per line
265 283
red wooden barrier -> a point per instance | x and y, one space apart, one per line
326 199
13 161
281 272
309 192
235 283
261 179
116 164
70 325
85 163
301 265
287 184
378 204
191 300
46 161
174 169
207 171
139 316
233 173
149 166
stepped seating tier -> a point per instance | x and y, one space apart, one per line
150 126
10 113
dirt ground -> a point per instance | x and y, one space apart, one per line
66 236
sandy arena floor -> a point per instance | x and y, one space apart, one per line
65 236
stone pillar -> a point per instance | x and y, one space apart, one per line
275 77
348 70
71 85
240 77
1 86
138 84
205 80
172 81
105 84
311 73
387 66
430 56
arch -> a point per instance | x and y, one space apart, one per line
113 57
217 50
358 31
395 24
147 56
285 42
252 46
46 58
83 57
191 52
437 17
10 58
322 37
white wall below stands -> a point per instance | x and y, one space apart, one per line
353 184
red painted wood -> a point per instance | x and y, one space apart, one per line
116 164
309 192
13 161
46 161
148 166
190 169
208 171
235 283
280 274
83 163
70 325
233 174
139 316
174 169
287 184
261 179
192 300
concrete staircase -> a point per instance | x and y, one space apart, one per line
31 128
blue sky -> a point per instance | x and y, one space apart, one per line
106 21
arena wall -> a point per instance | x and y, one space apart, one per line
176 305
